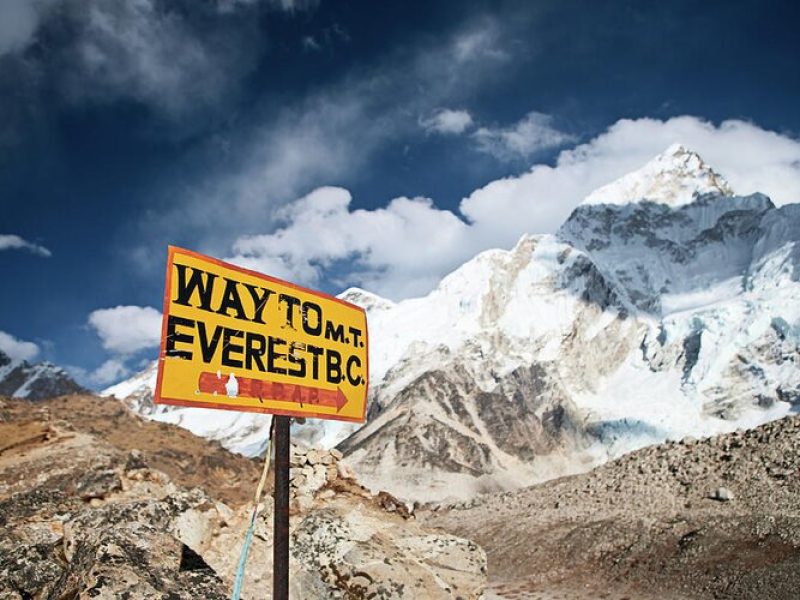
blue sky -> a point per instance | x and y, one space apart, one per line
345 143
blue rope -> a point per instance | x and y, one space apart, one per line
248 538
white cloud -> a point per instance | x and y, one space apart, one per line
110 371
403 249
447 121
310 43
19 20
15 242
145 51
16 348
479 42
181 58
124 330
324 138
752 159
287 5
531 134
399 249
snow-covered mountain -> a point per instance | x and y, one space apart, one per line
21 379
137 392
665 306
675 177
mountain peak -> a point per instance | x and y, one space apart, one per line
366 300
674 177
38 381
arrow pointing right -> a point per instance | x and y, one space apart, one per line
210 383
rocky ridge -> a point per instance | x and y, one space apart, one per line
186 459
21 379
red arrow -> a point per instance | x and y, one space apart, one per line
209 383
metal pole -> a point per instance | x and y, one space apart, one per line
280 547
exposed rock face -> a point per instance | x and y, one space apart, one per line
442 427
21 379
81 518
310 470
361 553
697 519
699 245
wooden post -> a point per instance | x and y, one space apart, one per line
280 547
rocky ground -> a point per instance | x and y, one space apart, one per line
696 519
189 461
95 502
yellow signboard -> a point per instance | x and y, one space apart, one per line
239 340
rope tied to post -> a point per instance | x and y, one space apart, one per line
248 538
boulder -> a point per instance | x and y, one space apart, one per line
722 494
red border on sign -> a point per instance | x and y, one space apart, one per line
157 398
